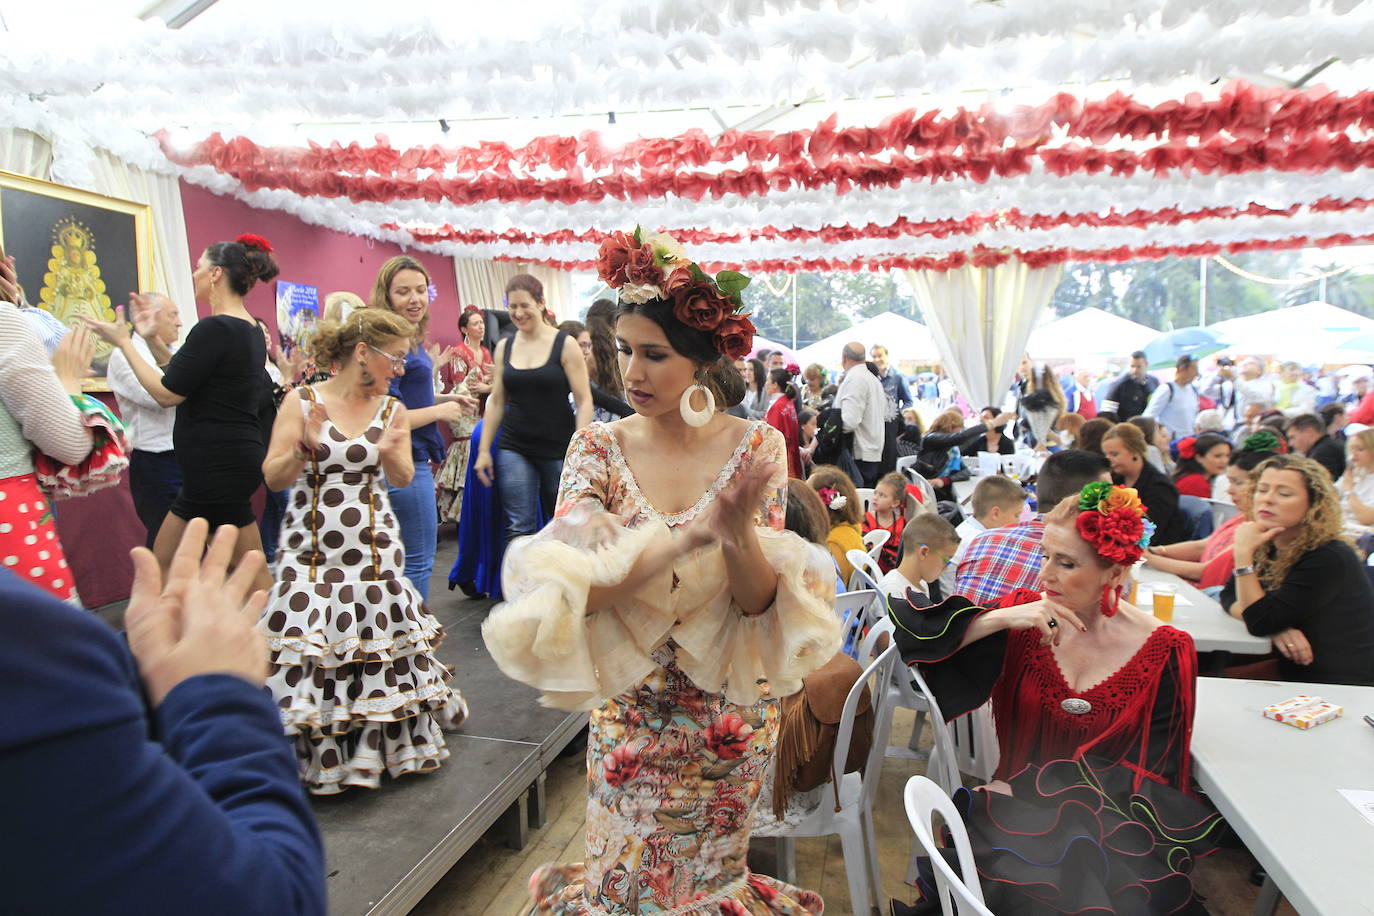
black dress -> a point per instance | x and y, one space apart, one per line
221 429
1327 596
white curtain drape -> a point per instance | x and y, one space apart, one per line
27 153
981 318
483 283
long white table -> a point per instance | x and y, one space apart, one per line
1278 786
1200 617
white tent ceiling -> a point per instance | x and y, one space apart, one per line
281 76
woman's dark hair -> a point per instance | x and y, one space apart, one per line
783 379
805 513
718 374
804 417
1201 446
1249 459
1148 426
572 327
526 283
760 372
1091 435
467 315
242 264
605 366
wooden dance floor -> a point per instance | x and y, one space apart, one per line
384 849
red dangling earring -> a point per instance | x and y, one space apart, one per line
1110 606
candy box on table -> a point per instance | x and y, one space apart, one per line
1303 711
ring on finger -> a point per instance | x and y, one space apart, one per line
1053 623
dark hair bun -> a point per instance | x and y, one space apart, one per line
725 383
244 261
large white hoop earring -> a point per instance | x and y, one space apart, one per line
690 415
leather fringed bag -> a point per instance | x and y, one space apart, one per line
810 726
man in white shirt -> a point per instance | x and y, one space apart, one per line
1175 405
863 407
154 476
1252 388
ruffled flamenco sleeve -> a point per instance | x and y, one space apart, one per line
542 634
962 679
101 468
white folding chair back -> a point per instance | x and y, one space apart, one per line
958 896
875 540
860 560
865 497
853 821
1221 512
906 465
975 743
853 609
943 766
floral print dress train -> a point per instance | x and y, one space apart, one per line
677 755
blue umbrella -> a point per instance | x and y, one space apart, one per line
1163 352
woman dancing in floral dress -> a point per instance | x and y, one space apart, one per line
667 598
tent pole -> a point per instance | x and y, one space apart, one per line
1202 290
794 313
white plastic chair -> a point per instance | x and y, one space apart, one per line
861 561
958 896
853 609
875 540
865 497
853 822
1221 512
906 465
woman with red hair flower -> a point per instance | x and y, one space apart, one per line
1093 703
219 385
1201 460
666 597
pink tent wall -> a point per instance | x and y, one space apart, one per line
310 254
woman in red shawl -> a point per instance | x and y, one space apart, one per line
782 415
1093 701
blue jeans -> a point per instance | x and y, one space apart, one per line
269 526
418 515
154 479
525 484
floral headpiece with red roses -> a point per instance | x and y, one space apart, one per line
1112 519
641 268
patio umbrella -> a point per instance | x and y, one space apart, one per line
1163 352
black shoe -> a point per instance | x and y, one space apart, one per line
1258 875
898 908
470 589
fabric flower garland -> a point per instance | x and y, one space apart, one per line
643 268
1112 519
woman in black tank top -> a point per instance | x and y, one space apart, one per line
536 369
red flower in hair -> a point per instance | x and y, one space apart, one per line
640 267
471 308
249 240
735 337
1115 536
1187 448
700 306
679 279
612 256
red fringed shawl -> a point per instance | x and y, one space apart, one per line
1141 716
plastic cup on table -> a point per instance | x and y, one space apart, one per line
1164 593
1132 588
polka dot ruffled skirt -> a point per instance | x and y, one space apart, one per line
29 547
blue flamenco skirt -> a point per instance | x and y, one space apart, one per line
481 529
1076 837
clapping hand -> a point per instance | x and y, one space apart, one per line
9 279
729 518
143 309
314 425
200 620
393 438
115 333
71 360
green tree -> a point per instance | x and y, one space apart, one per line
826 303
1339 289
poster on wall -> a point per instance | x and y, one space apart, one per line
75 252
298 309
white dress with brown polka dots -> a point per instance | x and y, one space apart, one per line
354 673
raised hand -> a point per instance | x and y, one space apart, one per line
115 333
729 518
199 620
392 440
143 309
71 360
9 279
314 425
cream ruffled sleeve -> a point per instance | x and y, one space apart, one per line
767 654
543 636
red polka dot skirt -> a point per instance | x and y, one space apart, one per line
29 547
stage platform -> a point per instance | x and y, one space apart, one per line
385 849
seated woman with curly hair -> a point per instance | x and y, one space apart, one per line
1298 582
1093 700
